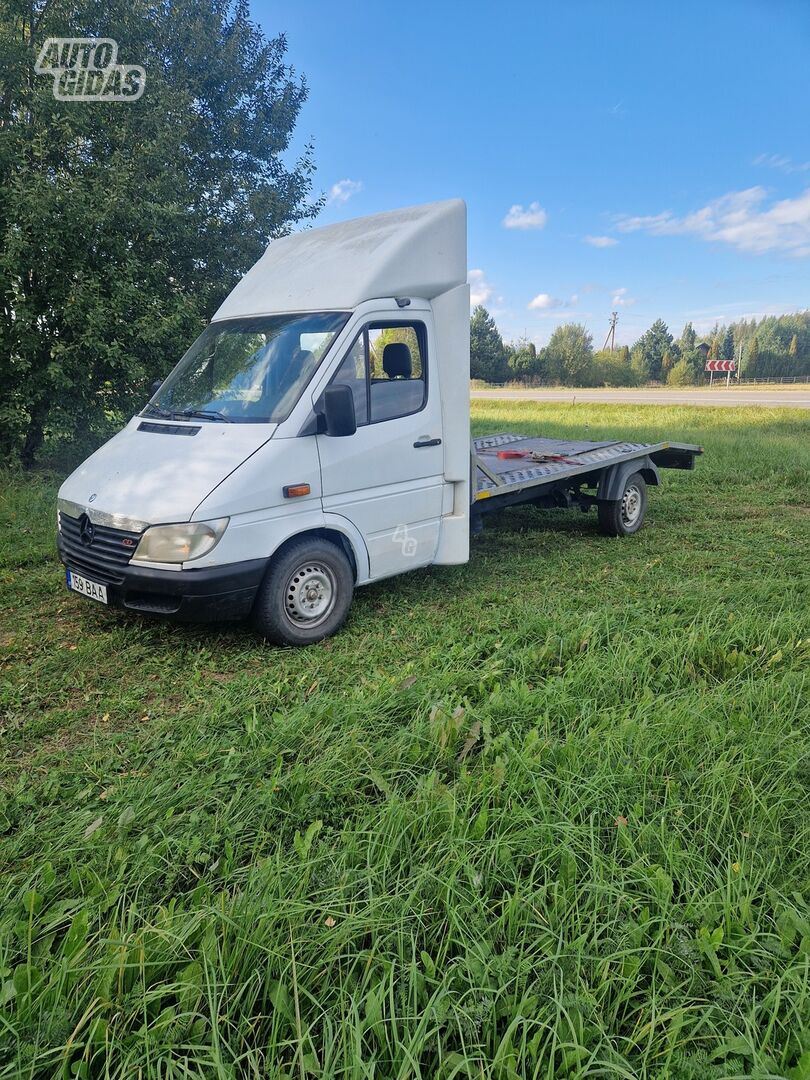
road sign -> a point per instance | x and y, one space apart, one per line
721 365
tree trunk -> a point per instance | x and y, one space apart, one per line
34 436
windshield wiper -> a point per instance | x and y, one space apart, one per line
157 411
204 414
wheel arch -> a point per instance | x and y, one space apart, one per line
612 481
333 536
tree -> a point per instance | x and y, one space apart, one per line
688 339
487 350
697 363
523 361
124 224
639 365
569 355
793 348
612 368
752 359
681 374
727 347
653 345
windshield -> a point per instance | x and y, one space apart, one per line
247 370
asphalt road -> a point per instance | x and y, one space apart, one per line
776 398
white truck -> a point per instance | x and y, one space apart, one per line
316 437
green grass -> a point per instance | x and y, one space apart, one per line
545 815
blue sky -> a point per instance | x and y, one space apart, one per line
652 158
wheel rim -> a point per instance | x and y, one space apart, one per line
310 594
632 503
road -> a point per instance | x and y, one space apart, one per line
793 398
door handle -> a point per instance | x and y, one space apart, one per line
427 442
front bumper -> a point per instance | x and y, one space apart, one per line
210 594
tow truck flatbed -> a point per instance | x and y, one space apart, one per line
509 468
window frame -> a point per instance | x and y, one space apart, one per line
420 329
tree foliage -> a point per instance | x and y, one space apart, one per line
688 339
569 355
488 359
123 225
524 362
613 368
727 347
681 374
652 347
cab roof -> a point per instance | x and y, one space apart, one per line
417 251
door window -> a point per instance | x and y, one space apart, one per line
386 368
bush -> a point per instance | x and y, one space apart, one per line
613 369
681 374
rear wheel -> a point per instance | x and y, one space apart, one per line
624 516
306 593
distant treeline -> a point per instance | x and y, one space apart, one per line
775 346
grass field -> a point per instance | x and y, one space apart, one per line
545 815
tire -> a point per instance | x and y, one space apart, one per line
624 516
306 593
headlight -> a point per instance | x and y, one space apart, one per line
179 543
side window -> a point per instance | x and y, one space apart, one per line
352 372
386 369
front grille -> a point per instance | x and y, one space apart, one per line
104 556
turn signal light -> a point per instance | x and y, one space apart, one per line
292 491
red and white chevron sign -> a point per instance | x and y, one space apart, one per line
721 365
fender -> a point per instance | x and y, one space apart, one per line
358 544
613 480
317 522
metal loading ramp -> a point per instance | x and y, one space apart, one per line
547 461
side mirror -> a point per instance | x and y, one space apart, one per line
338 406
156 385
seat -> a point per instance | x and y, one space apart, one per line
398 394
396 360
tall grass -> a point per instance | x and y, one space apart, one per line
545 815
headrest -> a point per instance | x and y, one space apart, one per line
397 360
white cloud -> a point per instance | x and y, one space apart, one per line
621 299
742 219
544 302
600 241
480 288
532 216
342 191
547 304
779 161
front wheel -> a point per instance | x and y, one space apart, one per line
624 516
306 593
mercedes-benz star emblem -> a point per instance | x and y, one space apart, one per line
87 531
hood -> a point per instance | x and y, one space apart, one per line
148 475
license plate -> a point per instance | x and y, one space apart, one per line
83 585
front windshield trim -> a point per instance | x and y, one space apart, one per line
271 327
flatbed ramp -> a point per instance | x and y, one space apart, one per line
546 462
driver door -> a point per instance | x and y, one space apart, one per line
387 478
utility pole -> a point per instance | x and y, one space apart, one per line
611 334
